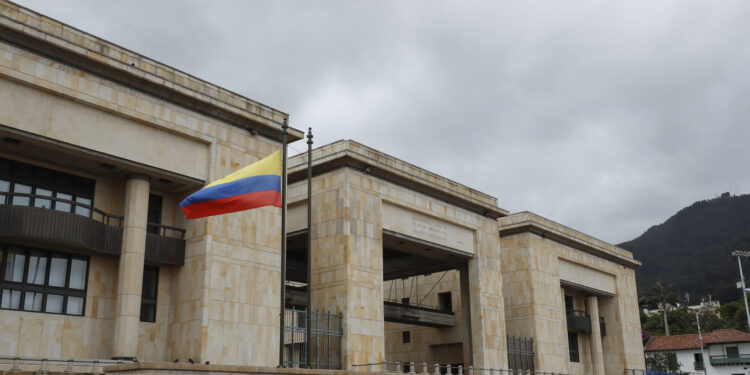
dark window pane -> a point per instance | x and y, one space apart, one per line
150 282
23 189
40 202
74 306
4 187
446 304
732 352
406 337
33 301
83 211
37 268
54 303
148 313
62 206
57 271
77 274
14 266
154 212
11 299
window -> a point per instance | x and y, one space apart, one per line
42 281
148 293
33 184
154 212
446 304
698 357
406 336
568 305
732 352
573 347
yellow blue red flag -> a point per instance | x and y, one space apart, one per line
257 185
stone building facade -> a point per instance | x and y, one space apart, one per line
99 144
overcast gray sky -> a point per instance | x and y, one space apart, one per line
607 117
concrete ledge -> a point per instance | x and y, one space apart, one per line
529 222
189 368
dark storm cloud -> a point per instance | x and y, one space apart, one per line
607 117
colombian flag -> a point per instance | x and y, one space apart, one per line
257 185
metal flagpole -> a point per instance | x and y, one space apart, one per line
700 342
282 294
738 254
308 326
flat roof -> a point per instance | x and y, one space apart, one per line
530 222
33 31
348 153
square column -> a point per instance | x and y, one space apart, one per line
347 266
597 354
130 271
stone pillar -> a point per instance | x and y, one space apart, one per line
465 314
130 271
597 355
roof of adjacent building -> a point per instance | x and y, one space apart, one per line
682 342
67 44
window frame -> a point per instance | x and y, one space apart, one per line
406 337
445 302
574 354
26 287
147 301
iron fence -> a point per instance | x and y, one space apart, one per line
521 353
326 331
653 372
441 369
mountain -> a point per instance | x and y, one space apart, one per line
691 250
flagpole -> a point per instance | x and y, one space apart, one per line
282 293
308 326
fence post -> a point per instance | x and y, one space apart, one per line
398 366
412 368
424 368
448 370
437 369
471 370
460 370
43 368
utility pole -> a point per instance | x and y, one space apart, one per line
700 342
738 254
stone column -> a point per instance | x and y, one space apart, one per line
466 314
597 355
130 271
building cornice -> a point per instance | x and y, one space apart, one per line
523 222
45 36
351 154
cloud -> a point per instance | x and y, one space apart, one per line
607 117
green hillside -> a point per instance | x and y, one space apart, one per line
691 250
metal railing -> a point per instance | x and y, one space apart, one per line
729 359
578 321
652 372
699 366
521 353
443 369
89 210
166 230
419 306
327 332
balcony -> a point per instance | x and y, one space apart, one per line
84 229
726 360
578 321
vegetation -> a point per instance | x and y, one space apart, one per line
682 321
663 298
665 362
691 250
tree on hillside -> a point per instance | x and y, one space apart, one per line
663 298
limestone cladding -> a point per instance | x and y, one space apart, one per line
534 297
222 305
348 266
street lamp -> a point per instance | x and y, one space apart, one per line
738 254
